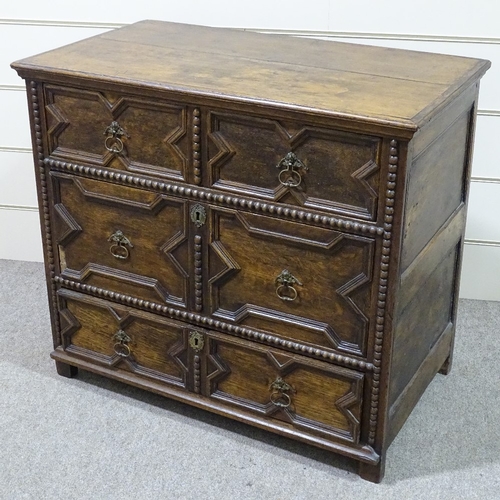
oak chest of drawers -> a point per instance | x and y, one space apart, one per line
266 227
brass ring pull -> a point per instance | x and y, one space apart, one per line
286 290
279 393
282 290
122 350
116 146
113 141
118 251
293 178
288 175
121 346
277 397
119 244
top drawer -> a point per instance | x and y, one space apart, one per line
272 159
295 163
101 128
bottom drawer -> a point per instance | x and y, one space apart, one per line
237 377
313 396
123 338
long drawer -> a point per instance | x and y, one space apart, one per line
287 160
302 283
309 395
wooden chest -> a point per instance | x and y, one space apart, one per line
266 227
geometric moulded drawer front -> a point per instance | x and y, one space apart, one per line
310 395
328 170
123 239
150 136
327 302
123 339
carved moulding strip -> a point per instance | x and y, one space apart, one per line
196 146
382 288
46 227
213 196
198 274
197 373
213 323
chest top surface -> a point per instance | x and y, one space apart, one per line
372 84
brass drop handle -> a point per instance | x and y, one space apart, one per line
114 134
121 346
289 175
120 245
279 393
285 289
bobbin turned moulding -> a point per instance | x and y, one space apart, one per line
266 227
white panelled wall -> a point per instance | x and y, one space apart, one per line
448 27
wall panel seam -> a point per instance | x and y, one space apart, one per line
482 243
485 180
381 36
14 88
23 208
61 24
488 112
306 33
12 149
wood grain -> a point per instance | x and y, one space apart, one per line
309 74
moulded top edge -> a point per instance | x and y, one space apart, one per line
356 81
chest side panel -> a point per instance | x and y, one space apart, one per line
433 232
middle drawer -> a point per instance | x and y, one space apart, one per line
127 240
299 282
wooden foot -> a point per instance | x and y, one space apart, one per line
446 368
372 473
66 370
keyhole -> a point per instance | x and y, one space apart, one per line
198 215
196 342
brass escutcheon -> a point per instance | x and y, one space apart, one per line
196 341
289 176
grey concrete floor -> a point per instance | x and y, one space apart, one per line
92 438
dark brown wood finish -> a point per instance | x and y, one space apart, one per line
269 228
153 265
124 339
340 171
334 295
311 395
155 136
